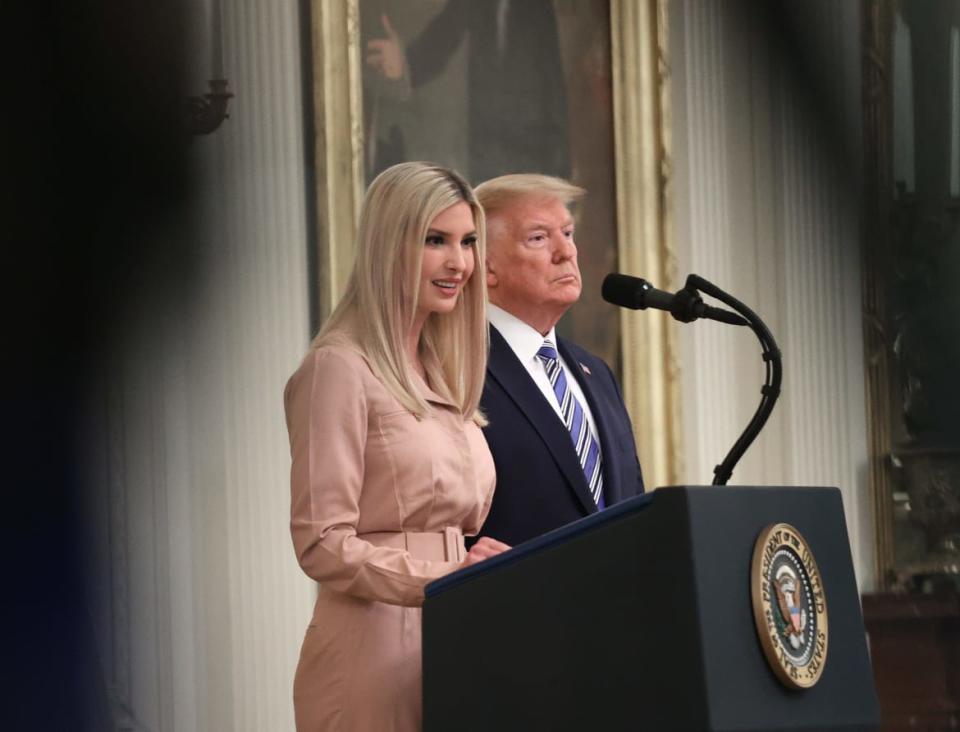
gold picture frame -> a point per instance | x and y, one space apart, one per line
642 166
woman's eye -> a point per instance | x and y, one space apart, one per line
469 241
435 241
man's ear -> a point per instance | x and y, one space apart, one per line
491 275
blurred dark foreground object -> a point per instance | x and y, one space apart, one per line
94 165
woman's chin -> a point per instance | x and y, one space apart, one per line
444 307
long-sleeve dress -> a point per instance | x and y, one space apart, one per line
380 503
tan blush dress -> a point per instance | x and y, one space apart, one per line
380 504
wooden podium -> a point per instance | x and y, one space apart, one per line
640 617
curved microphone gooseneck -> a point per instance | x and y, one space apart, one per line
771 387
687 306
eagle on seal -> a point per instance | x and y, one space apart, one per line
788 601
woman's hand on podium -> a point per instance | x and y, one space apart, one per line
484 549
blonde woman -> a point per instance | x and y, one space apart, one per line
390 468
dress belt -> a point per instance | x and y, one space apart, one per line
445 546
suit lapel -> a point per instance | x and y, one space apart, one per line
611 473
507 370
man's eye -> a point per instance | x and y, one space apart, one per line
568 233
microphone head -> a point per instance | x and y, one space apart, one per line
625 291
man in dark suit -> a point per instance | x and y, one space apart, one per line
559 432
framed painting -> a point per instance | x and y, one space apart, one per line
911 195
573 88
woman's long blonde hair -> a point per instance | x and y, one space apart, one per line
379 304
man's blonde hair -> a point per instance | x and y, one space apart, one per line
497 193
379 304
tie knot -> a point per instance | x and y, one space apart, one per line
548 352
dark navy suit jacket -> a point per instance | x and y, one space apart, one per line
540 485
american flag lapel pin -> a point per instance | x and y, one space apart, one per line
585 369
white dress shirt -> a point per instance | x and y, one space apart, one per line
525 341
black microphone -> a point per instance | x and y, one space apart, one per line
685 306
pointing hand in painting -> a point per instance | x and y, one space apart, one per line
385 55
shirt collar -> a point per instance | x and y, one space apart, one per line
523 339
427 392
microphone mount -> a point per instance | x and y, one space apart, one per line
688 306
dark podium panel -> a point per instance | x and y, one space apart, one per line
640 618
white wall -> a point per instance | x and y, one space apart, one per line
201 606
763 210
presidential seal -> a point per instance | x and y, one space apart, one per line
789 606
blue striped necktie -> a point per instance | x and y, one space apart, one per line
585 444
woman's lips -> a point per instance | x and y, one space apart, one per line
447 287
